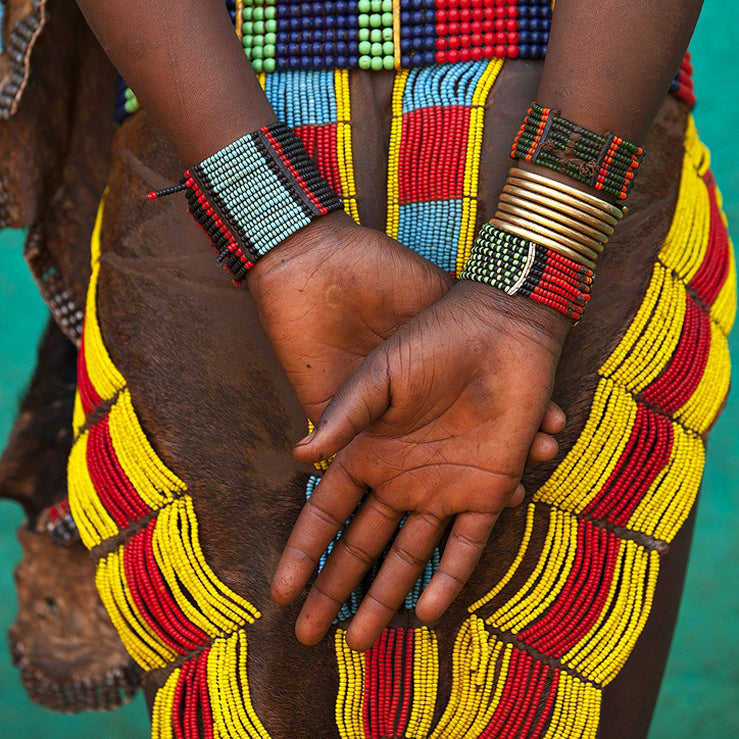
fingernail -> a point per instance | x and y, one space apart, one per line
306 439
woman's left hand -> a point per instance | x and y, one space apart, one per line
436 422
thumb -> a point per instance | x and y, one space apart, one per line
362 399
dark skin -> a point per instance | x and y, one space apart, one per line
431 394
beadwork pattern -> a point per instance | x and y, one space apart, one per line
254 193
139 520
530 660
389 34
605 162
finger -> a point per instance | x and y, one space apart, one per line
517 498
354 554
334 499
462 552
543 449
362 399
404 563
554 419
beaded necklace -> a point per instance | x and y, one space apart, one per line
530 659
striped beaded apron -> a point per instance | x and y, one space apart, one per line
530 660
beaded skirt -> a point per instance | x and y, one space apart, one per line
532 651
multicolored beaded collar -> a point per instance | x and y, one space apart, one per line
389 34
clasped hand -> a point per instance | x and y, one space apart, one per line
432 395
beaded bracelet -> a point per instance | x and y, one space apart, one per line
605 163
254 193
519 266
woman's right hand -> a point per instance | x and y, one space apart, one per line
331 293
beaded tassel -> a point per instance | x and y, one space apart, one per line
390 690
434 158
59 525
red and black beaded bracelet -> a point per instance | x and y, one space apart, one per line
254 193
604 162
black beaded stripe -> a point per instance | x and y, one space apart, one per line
294 153
219 240
273 160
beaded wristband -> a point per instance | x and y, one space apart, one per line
519 266
254 193
605 163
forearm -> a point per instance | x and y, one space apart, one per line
185 63
610 63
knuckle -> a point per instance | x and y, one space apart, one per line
381 508
356 552
469 542
408 558
370 598
324 593
300 553
456 580
321 514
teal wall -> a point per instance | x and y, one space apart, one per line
701 688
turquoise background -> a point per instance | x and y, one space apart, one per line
700 694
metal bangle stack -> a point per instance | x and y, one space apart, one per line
555 215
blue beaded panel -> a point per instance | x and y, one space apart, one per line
302 98
352 605
442 86
432 161
432 229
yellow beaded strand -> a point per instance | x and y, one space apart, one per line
103 374
344 143
396 130
592 459
514 565
93 521
233 712
723 310
144 646
350 697
425 682
161 715
653 336
685 245
667 503
177 551
479 670
472 164
154 482
701 409
546 581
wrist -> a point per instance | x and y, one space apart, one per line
311 244
253 194
536 321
